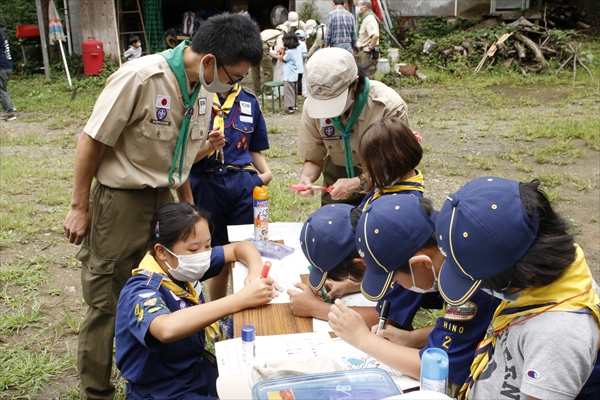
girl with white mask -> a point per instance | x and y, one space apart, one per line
160 316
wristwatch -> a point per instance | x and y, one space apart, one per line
364 184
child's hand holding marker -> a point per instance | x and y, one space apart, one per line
265 273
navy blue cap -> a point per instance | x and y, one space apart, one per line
389 233
248 333
482 230
326 239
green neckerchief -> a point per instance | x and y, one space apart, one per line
359 105
360 20
174 58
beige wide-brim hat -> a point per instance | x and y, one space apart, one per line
293 18
310 27
329 73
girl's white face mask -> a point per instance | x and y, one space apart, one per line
192 267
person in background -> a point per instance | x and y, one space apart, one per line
160 316
367 39
139 144
396 236
230 167
293 22
292 61
342 102
302 50
135 48
6 68
503 237
341 28
316 29
264 71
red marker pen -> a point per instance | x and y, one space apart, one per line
265 270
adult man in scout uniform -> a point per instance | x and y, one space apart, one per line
316 29
146 130
293 22
367 36
342 102
264 71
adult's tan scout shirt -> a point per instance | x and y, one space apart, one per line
368 27
318 137
139 119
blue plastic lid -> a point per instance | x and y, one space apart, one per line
248 333
366 383
434 364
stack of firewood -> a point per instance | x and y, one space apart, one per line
565 14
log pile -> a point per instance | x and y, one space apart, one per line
527 48
565 14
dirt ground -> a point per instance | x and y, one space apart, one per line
451 131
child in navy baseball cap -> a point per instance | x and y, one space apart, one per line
396 238
504 237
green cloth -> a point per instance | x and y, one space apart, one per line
174 58
359 105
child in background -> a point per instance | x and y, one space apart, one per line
504 237
292 59
161 319
135 48
231 165
303 52
396 236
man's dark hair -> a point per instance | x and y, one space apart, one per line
133 39
231 38
339 2
551 252
362 76
173 222
290 40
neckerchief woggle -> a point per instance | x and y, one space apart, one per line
413 183
572 292
150 265
174 58
223 110
359 105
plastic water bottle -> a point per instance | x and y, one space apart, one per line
248 344
261 213
434 370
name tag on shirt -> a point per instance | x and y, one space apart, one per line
245 118
246 107
202 106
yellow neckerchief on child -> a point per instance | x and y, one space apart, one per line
572 292
413 183
149 264
223 110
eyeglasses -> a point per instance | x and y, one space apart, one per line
231 80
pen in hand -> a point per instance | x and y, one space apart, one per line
265 270
385 310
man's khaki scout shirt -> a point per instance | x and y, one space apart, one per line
368 27
269 36
318 137
138 117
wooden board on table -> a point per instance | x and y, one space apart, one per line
272 319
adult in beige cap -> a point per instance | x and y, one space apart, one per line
148 126
368 36
318 30
293 22
342 102
263 72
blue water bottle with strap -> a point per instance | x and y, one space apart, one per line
434 370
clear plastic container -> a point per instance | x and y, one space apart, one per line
360 384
